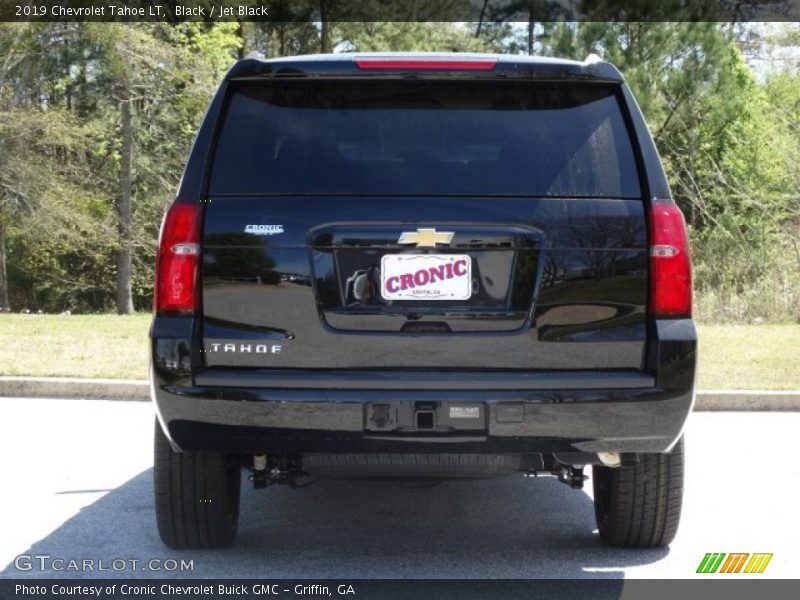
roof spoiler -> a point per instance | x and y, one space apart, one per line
593 67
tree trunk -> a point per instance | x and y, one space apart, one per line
124 216
67 68
3 275
481 17
242 51
324 42
531 33
692 155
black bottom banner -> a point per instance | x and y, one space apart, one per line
388 589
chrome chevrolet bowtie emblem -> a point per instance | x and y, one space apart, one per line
426 238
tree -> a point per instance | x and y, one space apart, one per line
35 137
409 36
96 120
728 159
542 11
132 61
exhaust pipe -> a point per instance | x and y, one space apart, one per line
610 459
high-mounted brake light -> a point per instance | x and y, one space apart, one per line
670 262
178 260
425 64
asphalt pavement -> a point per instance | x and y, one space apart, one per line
77 485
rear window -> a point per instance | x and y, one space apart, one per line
425 138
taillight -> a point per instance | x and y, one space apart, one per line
178 259
670 262
426 64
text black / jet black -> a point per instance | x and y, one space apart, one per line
427 265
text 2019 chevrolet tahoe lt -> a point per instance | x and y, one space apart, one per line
422 265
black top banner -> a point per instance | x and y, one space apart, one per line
171 11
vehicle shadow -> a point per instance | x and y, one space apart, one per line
512 528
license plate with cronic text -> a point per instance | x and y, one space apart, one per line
426 277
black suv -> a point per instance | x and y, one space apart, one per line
422 265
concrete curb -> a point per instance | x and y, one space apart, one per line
139 390
68 387
747 400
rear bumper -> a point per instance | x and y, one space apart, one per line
301 412
298 421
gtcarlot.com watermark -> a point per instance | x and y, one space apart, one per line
46 562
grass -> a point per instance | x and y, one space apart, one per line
95 346
731 356
763 357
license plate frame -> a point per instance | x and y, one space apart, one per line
422 277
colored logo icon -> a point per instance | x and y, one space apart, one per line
738 562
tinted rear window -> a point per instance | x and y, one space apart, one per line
425 138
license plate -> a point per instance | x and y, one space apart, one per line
465 412
426 277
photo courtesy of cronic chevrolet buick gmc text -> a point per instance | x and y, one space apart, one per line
422 266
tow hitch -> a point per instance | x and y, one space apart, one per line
572 476
268 471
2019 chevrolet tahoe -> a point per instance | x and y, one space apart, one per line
422 266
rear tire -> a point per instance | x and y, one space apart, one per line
196 495
639 506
